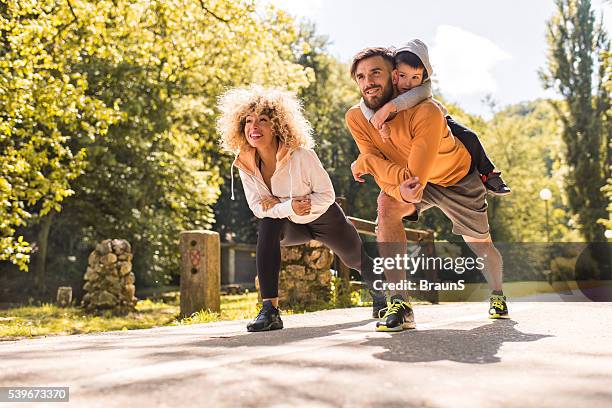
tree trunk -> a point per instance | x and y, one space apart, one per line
40 265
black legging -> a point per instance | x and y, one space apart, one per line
332 229
470 140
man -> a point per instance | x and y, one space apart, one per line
419 166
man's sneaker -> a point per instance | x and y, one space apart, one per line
495 184
398 316
498 308
267 319
379 302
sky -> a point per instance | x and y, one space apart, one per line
477 47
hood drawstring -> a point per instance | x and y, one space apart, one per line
290 182
232 182
232 177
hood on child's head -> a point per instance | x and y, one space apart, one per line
419 48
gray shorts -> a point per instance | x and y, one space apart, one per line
464 203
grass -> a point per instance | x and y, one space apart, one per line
233 307
48 319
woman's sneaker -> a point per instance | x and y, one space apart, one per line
498 308
495 184
398 317
267 319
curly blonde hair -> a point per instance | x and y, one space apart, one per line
283 108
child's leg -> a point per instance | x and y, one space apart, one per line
470 140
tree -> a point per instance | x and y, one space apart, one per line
575 69
158 170
524 141
44 109
607 189
146 74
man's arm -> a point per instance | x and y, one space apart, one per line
382 169
428 126
390 174
360 135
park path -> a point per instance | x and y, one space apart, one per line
548 355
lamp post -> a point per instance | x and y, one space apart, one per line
546 195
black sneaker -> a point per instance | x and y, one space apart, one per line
379 302
398 317
495 184
498 308
267 319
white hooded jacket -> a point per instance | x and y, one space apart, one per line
299 172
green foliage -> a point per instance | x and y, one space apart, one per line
576 70
160 65
606 58
524 142
44 111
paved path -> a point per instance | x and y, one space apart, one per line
548 355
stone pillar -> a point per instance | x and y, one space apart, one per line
305 276
64 296
200 272
109 281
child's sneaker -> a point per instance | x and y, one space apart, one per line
498 308
495 184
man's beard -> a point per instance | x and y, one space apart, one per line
377 102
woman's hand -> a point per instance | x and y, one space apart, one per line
269 202
301 205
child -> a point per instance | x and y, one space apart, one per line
411 76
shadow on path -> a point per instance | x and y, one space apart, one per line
479 345
261 339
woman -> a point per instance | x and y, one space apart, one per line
286 187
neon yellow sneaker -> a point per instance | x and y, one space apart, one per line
498 308
398 316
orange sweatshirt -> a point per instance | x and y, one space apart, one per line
421 145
